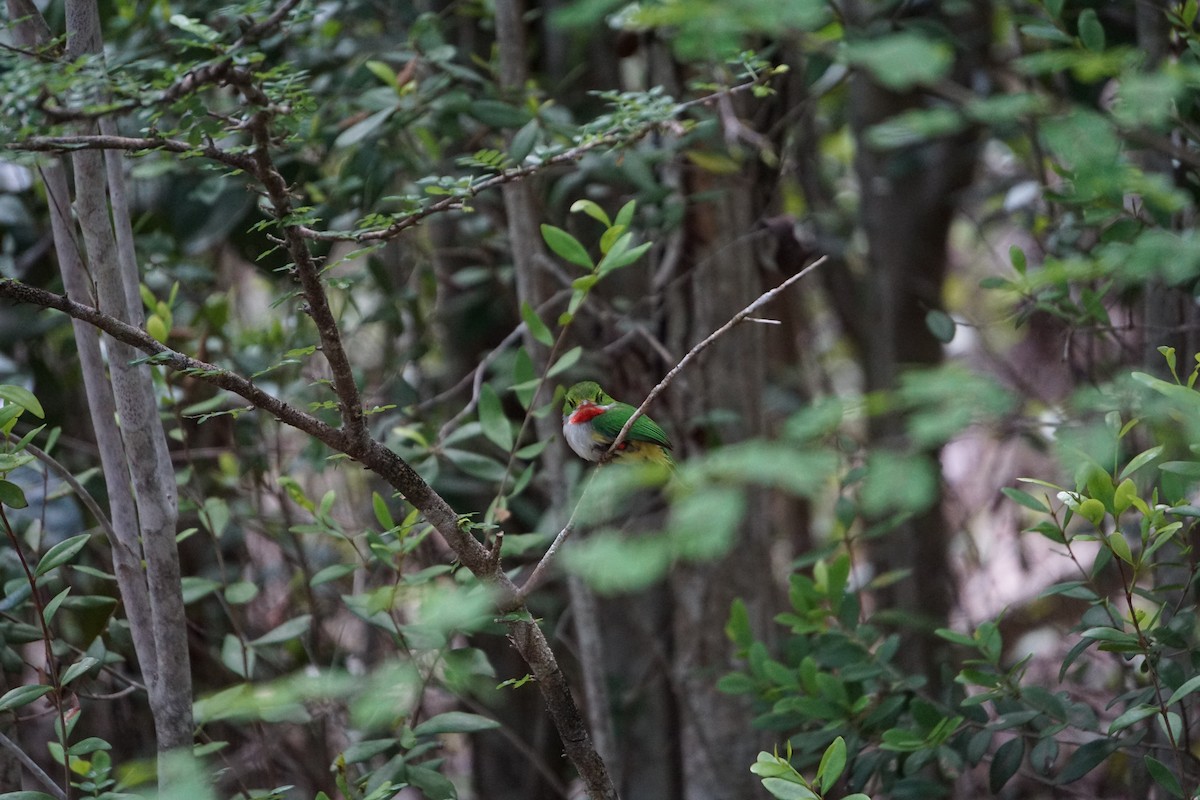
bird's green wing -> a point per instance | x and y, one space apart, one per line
644 429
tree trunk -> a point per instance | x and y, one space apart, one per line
908 199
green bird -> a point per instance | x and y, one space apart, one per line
592 419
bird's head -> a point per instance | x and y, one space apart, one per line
584 392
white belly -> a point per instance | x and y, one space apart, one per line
579 436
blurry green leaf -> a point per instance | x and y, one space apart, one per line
475 464
455 722
12 495
915 126
215 516
1005 763
491 416
363 128
20 396
566 246
241 592
612 563
292 629
593 210
787 790
1185 689
1130 717
332 573
1163 776
1188 469
80 667
897 482
523 141
382 514
565 362
901 60
833 762
1085 759
498 114
196 588
1025 499
1141 460
61 553
525 380
702 524
537 328
23 696
941 325
738 627
1091 32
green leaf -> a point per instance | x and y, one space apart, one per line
1120 547
525 381
78 668
491 416
455 722
1163 776
289 630
52 607
1133 715
1085 759
941 325
241 592
363 128
1005 763
12 495
787 790
832 764
498 114
1025 499
524 140
592 210
61 553
537 328
566 246
1184 690
19 395
1188 469
23 696
1141 460
382 514
1091 32
564 363
332 573
901 60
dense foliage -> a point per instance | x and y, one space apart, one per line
366 244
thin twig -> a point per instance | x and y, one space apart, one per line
34 770
538 575
739 317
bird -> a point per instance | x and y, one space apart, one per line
592 419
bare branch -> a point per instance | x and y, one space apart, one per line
524 632
737 318
133 144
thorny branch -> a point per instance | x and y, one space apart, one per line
737 318
524 632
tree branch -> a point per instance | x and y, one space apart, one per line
524 632
737 318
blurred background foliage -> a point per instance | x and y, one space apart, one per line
1006 194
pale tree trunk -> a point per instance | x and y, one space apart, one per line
129 434
534 287
908 200
716 744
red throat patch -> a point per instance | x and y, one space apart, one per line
585 412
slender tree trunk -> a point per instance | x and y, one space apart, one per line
133 452
908 199
715 745
533 287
